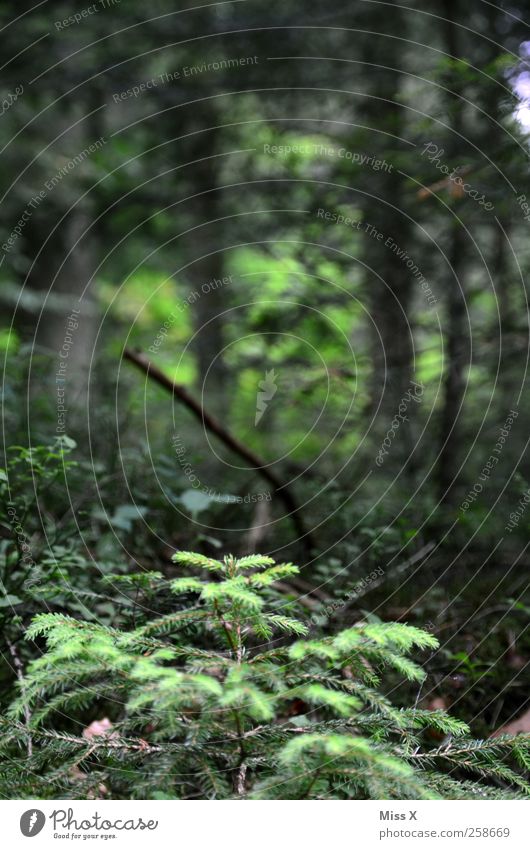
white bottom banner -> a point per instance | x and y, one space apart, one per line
262 825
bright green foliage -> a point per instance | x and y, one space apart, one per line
225 698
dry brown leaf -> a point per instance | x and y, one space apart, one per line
452 185
438 703
97 728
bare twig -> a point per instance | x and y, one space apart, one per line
241 779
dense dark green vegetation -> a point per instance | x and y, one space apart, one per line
263 289
231 707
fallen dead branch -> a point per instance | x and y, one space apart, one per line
214 426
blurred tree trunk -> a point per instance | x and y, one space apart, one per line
455 359
204 250
388 281
504 272
62 261
456 331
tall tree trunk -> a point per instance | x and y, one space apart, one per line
387 242
204 250
457 344
457 347
59 312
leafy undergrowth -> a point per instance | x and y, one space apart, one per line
229 695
